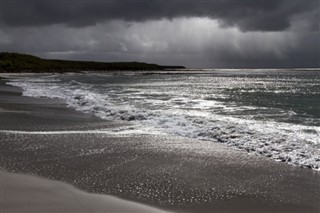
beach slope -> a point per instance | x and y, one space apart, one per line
44 138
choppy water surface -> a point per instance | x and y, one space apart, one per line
274 113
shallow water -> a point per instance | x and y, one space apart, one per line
274 113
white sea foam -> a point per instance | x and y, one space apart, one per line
182 115
123 131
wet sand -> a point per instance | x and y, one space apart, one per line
173 173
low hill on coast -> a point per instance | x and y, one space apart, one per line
16 62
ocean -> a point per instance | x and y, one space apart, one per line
273 113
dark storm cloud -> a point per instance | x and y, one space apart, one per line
205 44
248 15
199 33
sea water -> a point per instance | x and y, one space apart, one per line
272 113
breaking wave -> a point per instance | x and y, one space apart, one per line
172 113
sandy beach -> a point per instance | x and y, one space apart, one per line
24 193
42 137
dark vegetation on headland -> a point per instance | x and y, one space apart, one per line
16 62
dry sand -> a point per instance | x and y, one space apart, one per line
29 194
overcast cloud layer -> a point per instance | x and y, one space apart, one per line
193 33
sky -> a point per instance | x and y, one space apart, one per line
196 34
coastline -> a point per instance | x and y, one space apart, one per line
237 181
17 62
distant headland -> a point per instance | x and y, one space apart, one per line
16 62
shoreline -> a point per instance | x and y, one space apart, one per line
233 180
235 128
